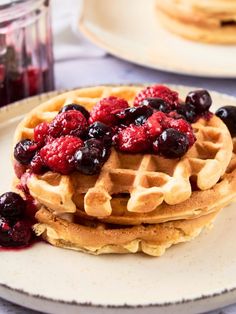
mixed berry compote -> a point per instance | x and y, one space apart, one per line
26 59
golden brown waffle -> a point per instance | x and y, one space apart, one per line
147 180
207 21
152 238
98 238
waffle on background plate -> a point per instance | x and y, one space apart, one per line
212 21
138 202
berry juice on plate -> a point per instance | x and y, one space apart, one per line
26 58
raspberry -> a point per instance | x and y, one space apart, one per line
183 126
133 139
36 164
70 122
40 133
154 123
105 110
19 169
158 91
59 154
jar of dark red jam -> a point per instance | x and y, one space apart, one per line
26 56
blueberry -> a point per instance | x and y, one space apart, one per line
200 99
132 115
228 116
75 107
157 104
171 144
88 160
12 205
188 111
140 120
105 150
100 131
5 232
24 151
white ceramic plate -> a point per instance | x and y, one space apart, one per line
130 30
192 277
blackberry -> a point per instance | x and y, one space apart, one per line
171 144
137 115
21 233
188 111
100 131
105 150
75 107
200 99
157 104
88 160
5 232
228 115
12 205
24 151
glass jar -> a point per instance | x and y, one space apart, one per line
26 56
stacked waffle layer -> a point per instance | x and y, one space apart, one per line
207 21
138 202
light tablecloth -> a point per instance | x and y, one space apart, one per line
80 63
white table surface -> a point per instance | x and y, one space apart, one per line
79 63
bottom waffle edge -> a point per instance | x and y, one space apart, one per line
102 238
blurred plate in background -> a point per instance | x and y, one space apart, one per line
130 30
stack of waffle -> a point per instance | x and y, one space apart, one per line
139 202
212 21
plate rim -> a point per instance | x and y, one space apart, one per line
92 36
204 298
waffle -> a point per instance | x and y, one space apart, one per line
101 238
147 180
145 233
207 21
137 203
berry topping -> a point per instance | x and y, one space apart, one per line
188 111
59 154
133 139
228 116
90 158
175 115
12 205
5 232
137 115
200 99
157 91
36 164
154 123
18 234
100 131
41 133
75 107
183 127
106 150
157 104
105 110
68 123
21 233
24 151
171 144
